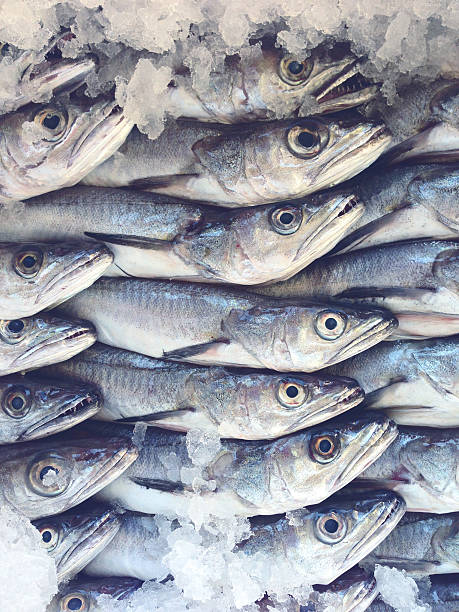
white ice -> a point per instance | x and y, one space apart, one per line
399 590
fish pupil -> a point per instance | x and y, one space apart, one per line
325 446
51 121
306 139
47 469
331 324
29 261
286 218
46 536
75 603
17 403
291 391
331 526
15 326
295 67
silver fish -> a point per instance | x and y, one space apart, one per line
40 340
353 591
245 166
415 383
247 405
35 276
421 545
422 465
43 478
38 407
154 236
272 82
82 594
47 147
417 281
74 538
252 477
327 539
214 325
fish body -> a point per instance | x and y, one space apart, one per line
421 466
249 405
83 593
248 478
35 407
416 280
74 538
414 382
353 591
40 340
214 325
244 166
35 275
154 236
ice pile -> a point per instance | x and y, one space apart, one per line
399 590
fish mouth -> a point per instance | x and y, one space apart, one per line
58 76
346 89
363 595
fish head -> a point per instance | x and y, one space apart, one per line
74 538
35 408
446 268
295 335
444 105
82 594
47 147
45 478
39 275
41 340
355 589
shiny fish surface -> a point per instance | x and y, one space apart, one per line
35 276
249 405
214 325
154 236
418 281
245 166
258 477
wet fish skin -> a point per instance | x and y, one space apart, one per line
246 405
156 236
35 276
252 477
247 166
417 281
422 466
72 539
414 382
36 407
353 591
75 470
365 522
31 342
214 325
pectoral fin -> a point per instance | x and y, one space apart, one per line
137 242
154 182
402 293
195 349
156 416
159 485
411 565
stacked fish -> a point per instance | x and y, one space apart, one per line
231 322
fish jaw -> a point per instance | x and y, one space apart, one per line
435 144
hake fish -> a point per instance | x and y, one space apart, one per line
247 478
43 478
40 340
35 275
214 325
422 465
36 407
245 166
47 147
82 594
353 591
418 281
74 538
153 236
415 383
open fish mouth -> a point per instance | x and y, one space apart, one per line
365 594
371 336
346 88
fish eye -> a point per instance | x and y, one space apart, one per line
324 448
293 71
286 219
74 601
49 537
4 49
330 325
13 331
27 263
16 402
308 139
49 475
291 394
52 120
331 528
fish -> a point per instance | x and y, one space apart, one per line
40 340
416 280
72 539
215 325
422 466
154 236
47 477
251 477
421 544
404 203
270 82
82 594
326 540
35 407
414 382
249 405
244 166
441 594
36 275
45 147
